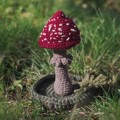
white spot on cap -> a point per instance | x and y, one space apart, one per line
50 38
54 19
44 34
54 25
60 29
57 17
59 41
67 24
45 39
69 33
45 26
60 24
48 42
73 30
60 33
63 36
68 39
75 26
54 38
50 26
51 34
53 30
55 33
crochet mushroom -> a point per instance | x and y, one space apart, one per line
60 34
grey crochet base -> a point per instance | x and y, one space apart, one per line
43 91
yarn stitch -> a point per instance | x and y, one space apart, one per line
59 33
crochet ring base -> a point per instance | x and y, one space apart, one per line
43 91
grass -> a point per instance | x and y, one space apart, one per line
104 108
22 61
27 110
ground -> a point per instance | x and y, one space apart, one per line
22 61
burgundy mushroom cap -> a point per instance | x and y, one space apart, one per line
59 33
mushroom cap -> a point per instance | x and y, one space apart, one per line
59 33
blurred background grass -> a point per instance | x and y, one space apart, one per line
21 59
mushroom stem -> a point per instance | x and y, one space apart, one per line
63 83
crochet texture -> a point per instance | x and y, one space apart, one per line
59 33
